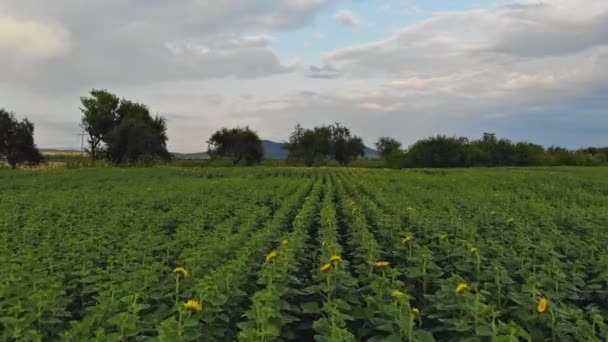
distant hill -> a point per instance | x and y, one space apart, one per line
272 150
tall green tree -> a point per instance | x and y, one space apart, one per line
99 118
345 148
17 141
324 142
309 145
138 137
123 131
387 146
241 145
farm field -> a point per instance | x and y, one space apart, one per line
325 254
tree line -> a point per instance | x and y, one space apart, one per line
443 151
122 131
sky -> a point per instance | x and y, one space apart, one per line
533 70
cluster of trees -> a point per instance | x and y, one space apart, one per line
325 142
17 141
443 151
306 146
241 145
122 131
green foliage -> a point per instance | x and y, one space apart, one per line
287 253
123 131
314 146
387 147
442 151
241 145
17 141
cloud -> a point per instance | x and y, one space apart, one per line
523 81
115 41
208 64
348 18
32 40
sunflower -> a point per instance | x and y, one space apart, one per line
407 240
461 287
181 272
285 242
271 256
542 305
474 250
193 305
415 312
335 258
398 294
510 220
382 264
325 267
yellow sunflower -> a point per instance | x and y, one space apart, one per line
325 267
542 305
181 272
193 305
398 294
382 264
461 287
271 256
335 258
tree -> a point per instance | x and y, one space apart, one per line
99 117
309 145
334 141
241 145
387 146
123 131
439 151
345 148
17 141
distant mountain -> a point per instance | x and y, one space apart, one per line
272 150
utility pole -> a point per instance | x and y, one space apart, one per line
82 142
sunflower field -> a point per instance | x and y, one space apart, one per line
304 254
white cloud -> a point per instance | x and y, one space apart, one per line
523 81
32 40
207 64
348 18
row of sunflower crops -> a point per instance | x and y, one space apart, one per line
280 254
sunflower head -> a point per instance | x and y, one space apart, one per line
382 264
193 305
461 287
335 258
398 294
285 242
510 220
474 250
407 240
181 272
271 256
325 267
415 312
543 303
